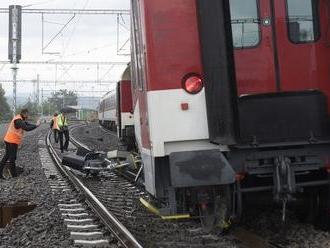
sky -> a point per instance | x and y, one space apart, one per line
85 38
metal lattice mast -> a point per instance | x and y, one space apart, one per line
14 37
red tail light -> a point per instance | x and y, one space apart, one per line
327 167
192 83
327 164
240 176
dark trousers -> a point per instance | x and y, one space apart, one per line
64 133
10 157
55 133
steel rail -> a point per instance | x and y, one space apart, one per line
108 131
246 238
76 142
110 221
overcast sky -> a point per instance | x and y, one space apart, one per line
86 38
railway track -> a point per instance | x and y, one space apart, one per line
109 220
121 200
74 141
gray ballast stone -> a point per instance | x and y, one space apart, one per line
43 226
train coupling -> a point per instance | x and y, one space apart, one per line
119 155
284 182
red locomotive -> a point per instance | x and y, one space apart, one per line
231 97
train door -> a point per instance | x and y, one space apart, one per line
277 45
301 50
253 46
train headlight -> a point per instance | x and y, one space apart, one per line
192 83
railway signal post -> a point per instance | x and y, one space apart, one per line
14 44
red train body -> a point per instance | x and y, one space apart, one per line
231 96
116 108
125 121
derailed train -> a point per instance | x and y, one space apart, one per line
230 98
115 110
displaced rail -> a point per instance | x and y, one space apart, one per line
240 237
111 222
75 142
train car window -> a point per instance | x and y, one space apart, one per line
112 102
245 23
302 19
138 55
135 45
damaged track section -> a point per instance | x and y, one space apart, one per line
117 229
79 220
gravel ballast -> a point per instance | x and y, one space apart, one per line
264 221
43 226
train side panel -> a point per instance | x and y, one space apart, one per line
107 111
126 104
172 52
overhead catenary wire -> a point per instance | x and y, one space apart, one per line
38 3
106 73
74 30
59 32
71 11
104 82
56 62
65 65
88 50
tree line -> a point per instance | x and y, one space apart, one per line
52 104
5 113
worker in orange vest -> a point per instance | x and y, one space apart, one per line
13 139
55 127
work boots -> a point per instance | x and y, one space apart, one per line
10 169
2 166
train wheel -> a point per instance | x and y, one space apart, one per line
217 213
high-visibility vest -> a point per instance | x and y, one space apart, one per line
14 135
62 121
55 123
